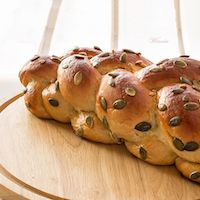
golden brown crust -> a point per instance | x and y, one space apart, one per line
168 72
188 169
33 99
39 68
152 150
155 111
56 106
106 62
89 52
87 125
128 103
180 119
79 82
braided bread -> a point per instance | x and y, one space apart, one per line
123 98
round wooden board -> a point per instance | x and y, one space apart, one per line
45 158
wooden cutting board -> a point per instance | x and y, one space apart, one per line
43 159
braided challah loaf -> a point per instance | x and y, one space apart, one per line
121 97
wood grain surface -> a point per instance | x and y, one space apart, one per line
44 158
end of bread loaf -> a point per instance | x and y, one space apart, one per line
169 71
179 111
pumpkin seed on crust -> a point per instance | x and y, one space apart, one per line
89 121
143 126
119 104
155 69
143 153
113 74
185 98
178 90
191 146
105 54
195 175
162 107
34 58
97 48
175 121
111 82
130 91
185 80
105 123
178 144
78 78
180 64
103 103
123 57
53 102
190 106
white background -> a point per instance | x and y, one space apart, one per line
146 25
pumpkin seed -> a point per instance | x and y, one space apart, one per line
128 51
65 66
111 82
119 104
56 86
185 80
97 48
178 144
103 103
162 61
56 59
155 69
184 56
130 91
95 64
34 58
83 53
195 175
105 123
191 146
115 138
191 106
140 63
114 74
143 126
79 132
76 48
175 121
78 78
178 91
185 98
53 102
143 153
123 57
196 82
42 61
79 56
89 121
196 87
180 64
183 87
105 54
162 107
